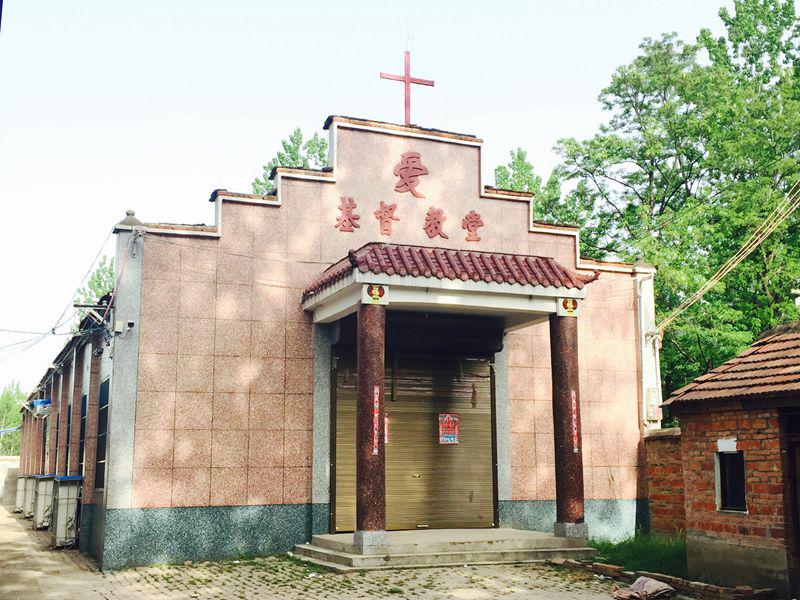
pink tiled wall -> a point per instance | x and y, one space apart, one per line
223 412
609 399
226 352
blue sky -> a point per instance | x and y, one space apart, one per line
150 105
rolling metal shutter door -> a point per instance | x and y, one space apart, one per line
427 484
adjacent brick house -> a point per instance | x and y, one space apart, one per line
740 448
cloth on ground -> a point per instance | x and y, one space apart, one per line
644 588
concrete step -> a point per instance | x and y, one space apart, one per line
435 541
345 561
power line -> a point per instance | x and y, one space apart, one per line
781 212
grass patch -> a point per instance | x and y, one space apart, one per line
655 553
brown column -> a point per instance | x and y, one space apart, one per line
370 463
75 433
23 445
63 410
90 447
52 418
567 427
38 450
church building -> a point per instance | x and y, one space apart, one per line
386 344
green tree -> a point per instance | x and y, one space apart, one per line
699 147
313 154
11 400
100 282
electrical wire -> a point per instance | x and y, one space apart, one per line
782 211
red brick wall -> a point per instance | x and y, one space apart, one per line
758 435
665 480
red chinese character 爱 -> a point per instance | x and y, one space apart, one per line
385 214
347 220
433 223
471 222
409 170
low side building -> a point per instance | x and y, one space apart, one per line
740 445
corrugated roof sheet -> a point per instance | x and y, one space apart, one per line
442 263
768 368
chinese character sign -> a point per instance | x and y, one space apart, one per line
434 221
471 222
409 170
385 216
346 221
448 428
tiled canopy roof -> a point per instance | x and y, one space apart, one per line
768 368
441 263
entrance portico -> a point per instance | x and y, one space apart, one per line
517 290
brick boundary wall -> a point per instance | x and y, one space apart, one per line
664 468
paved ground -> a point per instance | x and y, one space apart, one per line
29 570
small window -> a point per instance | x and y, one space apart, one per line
731 481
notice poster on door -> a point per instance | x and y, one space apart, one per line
448 428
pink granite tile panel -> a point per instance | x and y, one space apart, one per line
197 299
269 271
268 339
234 268
161 259
230 411
229 448
193 410
198 264
269 303
265 486
266 448
299 411
523 450
543 416
520 383
297 448
157 373
234 301
195 373
523 483
158 335
158 298
153 448
266 411
299 376
155 410
192 448
545 449
191 486
546 482
299 340
232 338
228 486
522 416
268 375
196 336
152 487
296 485
232 374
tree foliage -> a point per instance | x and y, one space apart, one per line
698 149
100 282
11 400
312 154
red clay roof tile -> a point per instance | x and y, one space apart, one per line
770 367
442 263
